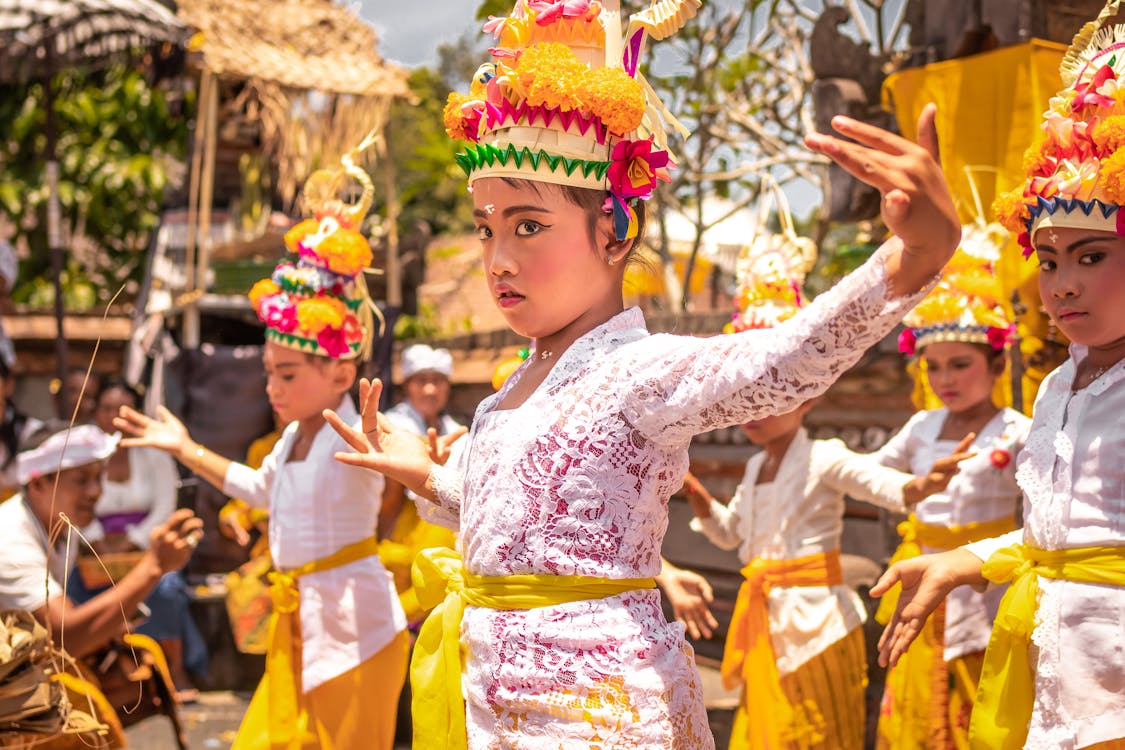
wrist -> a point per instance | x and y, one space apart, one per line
191 455
149 567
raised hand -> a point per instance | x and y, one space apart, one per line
916 204
380 446
940 474
167 433
442 445
173 542
926 581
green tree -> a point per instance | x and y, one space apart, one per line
119 146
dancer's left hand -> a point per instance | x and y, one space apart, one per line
690 596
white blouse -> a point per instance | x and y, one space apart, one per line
576 481
318 506
150 489
980 492
1072 472
801 513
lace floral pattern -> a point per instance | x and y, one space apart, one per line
576 482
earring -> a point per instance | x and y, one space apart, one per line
611 260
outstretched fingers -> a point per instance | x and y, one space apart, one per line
927 131
353 437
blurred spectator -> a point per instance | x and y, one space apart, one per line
67 392
15 429
9 270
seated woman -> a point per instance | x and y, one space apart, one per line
139 494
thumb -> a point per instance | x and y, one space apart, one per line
896 205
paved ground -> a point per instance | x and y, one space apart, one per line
211 723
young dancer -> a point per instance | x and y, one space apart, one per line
1054 672
959 332
562 504
337 653
796 638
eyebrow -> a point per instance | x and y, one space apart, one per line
1074 246
507 212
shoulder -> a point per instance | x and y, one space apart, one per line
1014 418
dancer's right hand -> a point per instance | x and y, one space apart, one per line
380 446
940 474
167 433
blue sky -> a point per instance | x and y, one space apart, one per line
410 30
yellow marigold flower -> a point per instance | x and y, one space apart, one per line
1109 134
299 232
551 75
263 288
1037 158
345 251
1113 177
1011 210
318 313
452 117
612 96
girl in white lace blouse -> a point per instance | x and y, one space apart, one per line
1054 672
562 493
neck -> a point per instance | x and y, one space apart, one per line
1106 356
558 342
775 449
980 410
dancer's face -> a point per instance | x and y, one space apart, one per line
1082 283
961 375
545 259
301 386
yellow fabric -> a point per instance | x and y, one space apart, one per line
926 700
443 585
916 535
1006 692
284 672
255 456
353 710
989 108
748 654
85 694
824 699
410 536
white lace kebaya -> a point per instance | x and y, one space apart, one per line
1072 473
576 481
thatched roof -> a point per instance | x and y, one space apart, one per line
297 44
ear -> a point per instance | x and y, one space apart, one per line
998 363
612 249
343 375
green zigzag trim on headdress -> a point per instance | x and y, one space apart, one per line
312 346
485 154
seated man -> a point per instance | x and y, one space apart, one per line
61 480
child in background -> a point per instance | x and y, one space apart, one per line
795 642
1054 672
337 654
960 333
562 503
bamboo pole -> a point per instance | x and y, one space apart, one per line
206 193
191 317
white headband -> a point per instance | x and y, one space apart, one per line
66 449
421 358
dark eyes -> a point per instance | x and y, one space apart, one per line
527 228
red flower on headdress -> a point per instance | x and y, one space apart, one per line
1094 91
906 342
1000 458
998 337
281 318
333 341
635 169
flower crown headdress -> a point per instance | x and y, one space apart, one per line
771 270
966 305
320 304
563 101
1076 175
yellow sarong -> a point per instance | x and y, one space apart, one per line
1006 694
748 655
443 584
916 535
284 683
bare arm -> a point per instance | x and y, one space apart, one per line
169 435
84 628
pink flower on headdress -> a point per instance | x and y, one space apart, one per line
281 318
635 169
548 11
906 342
999 458
1098 90
998 337
333 342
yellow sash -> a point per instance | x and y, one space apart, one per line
916 535
443 584
748 655
286 598
1006 693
